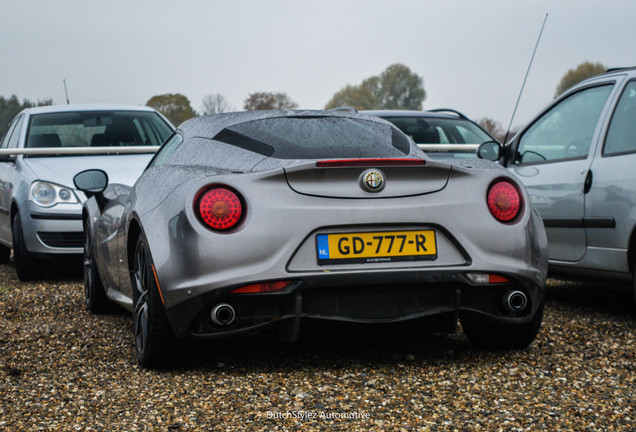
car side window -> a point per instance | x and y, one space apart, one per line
621 136
13 134
566 130
164 153
443 139
5 138
469 136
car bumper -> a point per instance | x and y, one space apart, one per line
373 299
54 231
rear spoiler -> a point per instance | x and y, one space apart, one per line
78 151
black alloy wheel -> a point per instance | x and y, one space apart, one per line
155 342
95 298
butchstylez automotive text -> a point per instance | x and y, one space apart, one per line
318 415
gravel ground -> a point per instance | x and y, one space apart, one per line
64 369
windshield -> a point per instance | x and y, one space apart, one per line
97 129
316 138
440 130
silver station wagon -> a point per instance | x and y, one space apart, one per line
40 210
577 160
441 133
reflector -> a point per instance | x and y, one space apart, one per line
493 279
263 287
486 278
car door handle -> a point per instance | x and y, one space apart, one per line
587 184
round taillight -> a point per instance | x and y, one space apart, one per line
220 208
504 201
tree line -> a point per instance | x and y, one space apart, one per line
10 107
397 87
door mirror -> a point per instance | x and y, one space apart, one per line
91 182
490 150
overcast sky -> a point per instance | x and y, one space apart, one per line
472 54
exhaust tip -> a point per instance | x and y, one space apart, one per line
223 315
515 301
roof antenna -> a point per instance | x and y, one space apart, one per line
66 91
524 80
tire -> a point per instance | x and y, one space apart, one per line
95 298
634 283
27 267
156 346
5 254
487 334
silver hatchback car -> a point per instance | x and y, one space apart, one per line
40 211
577 159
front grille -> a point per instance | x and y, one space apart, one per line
62 239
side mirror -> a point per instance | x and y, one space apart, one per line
490 150
91 182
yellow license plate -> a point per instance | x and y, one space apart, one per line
374 247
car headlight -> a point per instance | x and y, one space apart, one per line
47 194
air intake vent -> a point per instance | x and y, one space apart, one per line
62 239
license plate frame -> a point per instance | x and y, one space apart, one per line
376 246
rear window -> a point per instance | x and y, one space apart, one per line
316 138
97 129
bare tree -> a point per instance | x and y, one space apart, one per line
215 104
493 127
